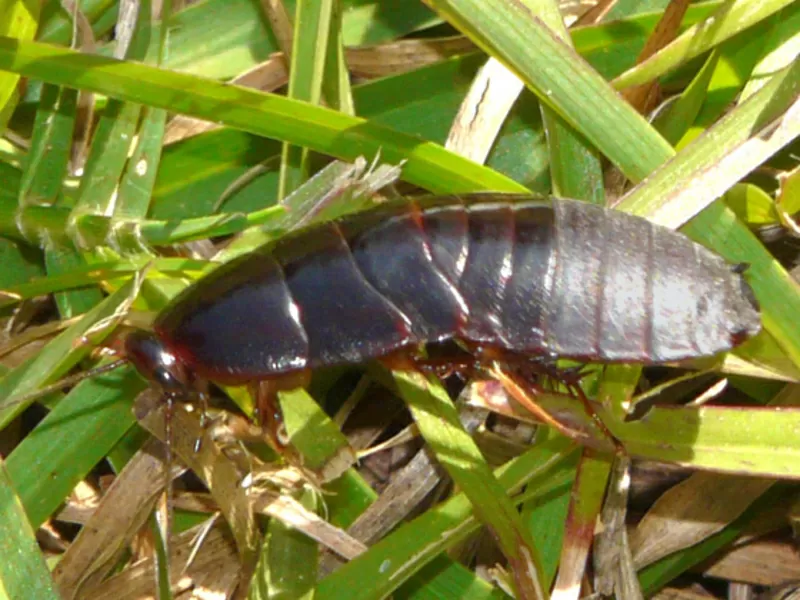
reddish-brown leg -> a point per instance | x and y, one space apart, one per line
524 391
268 411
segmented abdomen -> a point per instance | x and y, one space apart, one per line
529 276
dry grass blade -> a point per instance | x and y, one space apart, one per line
120 515
484 110
216 470
692 511
212 572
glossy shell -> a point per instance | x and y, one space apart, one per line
517 274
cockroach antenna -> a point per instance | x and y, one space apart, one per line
64 382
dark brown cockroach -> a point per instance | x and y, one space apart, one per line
507 277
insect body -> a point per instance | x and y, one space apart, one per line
511 275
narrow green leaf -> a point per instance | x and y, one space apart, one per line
311 430
586 500
678 118
312 26
545 518
728 20
48 157
59 355
552 70
336 88
320 129
780 51
736 59
18 20
138 180
288 560
443 579
88 274
57 27
71 440
397 557
61 258
23 572
454 448
109 152
575 169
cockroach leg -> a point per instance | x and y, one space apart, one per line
268 414
268 411
525 391
570 378
576 390
444 368
202 398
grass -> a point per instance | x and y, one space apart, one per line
102 222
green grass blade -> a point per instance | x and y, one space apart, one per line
456 450
561 80
317 128
312 27
678 118
681 188
737 58
61 354
18 19
729 19
71 440
46 163
62 259
396 558
575 169
23 571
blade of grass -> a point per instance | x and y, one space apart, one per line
138 179
18 19
586 500
396 558
756 441
312 28
71 440
575 168
288 561
23 571
728 20
545 518
443 578
455 449
104 272
561 80
782 50
114 134
312 432
675 121
47 159
61 259
737 58
62 353
318 128
336 87
58 27
711 165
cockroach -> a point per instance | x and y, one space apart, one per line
506 276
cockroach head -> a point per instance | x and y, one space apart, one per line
156 363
